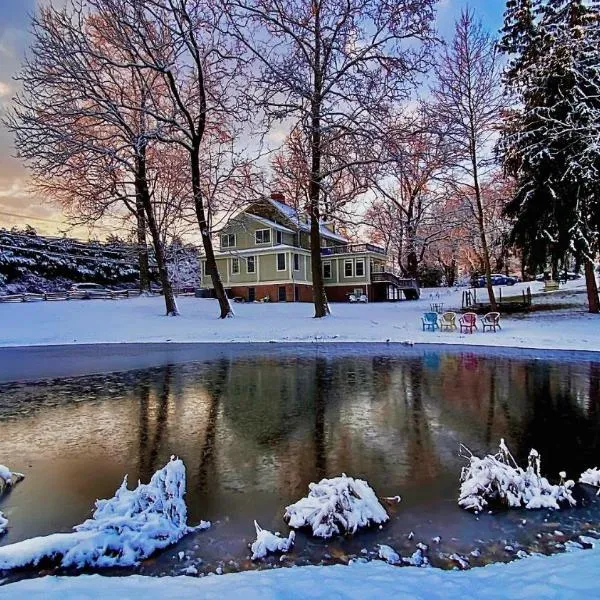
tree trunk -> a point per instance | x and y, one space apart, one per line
592 287
314 190
144 194
142 246
211 262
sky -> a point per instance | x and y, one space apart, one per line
18 205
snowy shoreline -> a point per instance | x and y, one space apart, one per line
569 575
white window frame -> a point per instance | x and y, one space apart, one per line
327 263
278 237
263 243
277 261
253 264
351 263
227 236
296 261
359 261
235 261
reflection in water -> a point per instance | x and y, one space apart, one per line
255 432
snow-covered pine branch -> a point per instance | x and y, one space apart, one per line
497 479
336 506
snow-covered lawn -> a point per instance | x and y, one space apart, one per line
565 576
143 320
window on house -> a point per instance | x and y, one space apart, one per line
263 236
348 268
228 240
279 237
281 262
251 264
235 266
326 270
296 262
360 268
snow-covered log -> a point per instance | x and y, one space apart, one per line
122 531
498 479
591 477
336 506
270 542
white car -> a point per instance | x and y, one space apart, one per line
86 291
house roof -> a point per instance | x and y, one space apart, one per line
292 215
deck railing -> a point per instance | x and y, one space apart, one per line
401 282
352 249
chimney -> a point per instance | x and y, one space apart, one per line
278 197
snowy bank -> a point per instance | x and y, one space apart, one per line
563 576
142 320
122 531
8 479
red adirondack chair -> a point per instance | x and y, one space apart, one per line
468 322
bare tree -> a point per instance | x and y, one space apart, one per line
467 97
332 69
180 41
80 124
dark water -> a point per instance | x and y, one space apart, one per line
254 431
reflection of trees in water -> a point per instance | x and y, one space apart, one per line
150 445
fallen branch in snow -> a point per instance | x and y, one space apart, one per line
270 542
122 531
498 478
337 505
591 477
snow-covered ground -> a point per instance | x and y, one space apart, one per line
563 576
143 320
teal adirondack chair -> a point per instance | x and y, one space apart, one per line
430 321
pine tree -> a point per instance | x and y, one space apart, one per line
548 142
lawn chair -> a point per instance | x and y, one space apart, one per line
352 298
468 322
448 321
430 321
363 298
491 321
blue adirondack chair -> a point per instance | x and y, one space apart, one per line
430 321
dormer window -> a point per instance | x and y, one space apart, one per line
263 236
228 240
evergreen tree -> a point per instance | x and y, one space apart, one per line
549 142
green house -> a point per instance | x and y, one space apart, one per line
264 252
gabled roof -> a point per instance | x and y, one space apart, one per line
292 215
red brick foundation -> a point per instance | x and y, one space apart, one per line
340 293
303 292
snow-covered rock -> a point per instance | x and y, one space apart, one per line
3 523
122 531
591 477
270 542
336 506
8 479
388 554
498 478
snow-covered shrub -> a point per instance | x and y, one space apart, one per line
337 505
497 478
591 477
270 542
122 531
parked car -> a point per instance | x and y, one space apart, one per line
497 279
86 291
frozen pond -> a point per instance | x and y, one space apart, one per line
255 428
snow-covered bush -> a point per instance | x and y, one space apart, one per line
498 479
337 505
270 542
122 531
591 477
